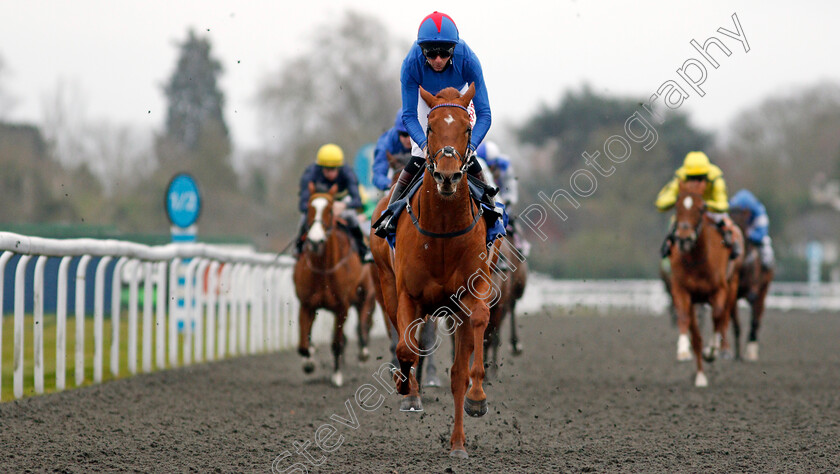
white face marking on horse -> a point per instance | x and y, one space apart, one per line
688 202
449 119
317 232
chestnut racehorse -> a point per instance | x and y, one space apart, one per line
436 268
701 272
753 285
329 274
511 284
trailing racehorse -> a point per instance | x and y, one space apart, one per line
510 278
753 284
701 272
329 274
440 266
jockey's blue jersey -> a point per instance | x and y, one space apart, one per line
462 69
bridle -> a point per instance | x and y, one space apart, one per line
431 162
697 228
449 151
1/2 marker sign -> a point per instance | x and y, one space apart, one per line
183 201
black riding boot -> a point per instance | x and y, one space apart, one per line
361 246
384 224
299 238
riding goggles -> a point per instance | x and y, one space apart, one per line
443 53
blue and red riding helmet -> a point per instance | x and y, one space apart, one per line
437 28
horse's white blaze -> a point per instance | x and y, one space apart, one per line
752 351
683 348
317 232
701 380
449 119
688 202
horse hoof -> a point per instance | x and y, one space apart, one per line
726 354
752 352
700 380
308 366
475 408
411 404
517 349
337 379
458 453
683 345
709 354
364 355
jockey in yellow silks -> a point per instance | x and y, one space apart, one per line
697 166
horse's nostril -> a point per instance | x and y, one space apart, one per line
438 176
457 177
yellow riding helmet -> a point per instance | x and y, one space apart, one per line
696 163
330 156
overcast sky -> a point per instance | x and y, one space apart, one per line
119 53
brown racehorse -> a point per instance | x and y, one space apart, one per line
511 283
329 274
437 266
701 272
754 283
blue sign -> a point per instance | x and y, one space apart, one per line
183 201
363 165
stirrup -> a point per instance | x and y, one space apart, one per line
384 225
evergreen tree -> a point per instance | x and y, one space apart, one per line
194 99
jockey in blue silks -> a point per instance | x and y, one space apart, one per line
758 224
502 170
394 141
437 60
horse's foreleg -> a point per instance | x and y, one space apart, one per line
365 311
684 309
476 401
408 352
306 316
338 346
459 379
721 305
697 346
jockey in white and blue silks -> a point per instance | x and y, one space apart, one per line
503 173
758 224
437 60
394 141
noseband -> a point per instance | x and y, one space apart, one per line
450 151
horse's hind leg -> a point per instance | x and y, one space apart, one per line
736 330
721 305
306 316
755 323
338 344
514 338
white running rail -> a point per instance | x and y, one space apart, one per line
250 291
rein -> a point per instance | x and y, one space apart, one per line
444 235
329 270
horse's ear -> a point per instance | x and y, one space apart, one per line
311 188
468 96
333 189
427 97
